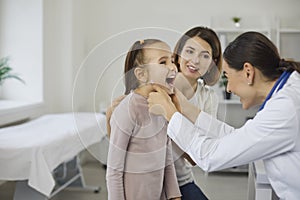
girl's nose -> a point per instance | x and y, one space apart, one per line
173 67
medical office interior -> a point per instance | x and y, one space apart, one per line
70 55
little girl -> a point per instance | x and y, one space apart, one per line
140 163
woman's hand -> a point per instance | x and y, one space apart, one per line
110 110
160 103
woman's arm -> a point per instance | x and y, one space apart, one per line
110 110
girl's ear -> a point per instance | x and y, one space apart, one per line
141 74
249 72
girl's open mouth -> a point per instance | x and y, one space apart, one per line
170 80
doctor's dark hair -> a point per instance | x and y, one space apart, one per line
213 74
135 58
256 49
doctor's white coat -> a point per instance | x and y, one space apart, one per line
273 136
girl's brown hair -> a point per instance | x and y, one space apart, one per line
135 57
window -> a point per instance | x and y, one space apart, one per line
21 40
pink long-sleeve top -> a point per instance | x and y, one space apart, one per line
140 163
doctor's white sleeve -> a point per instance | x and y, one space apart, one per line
214 145
197 141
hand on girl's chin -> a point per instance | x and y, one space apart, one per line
168 90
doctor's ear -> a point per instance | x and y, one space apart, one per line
249 72
141 74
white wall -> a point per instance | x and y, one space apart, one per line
103 30
58 60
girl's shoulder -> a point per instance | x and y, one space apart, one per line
130 104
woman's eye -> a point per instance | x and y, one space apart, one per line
163 62
189 51
206 56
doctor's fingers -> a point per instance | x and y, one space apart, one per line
155 98
154 103
159 97
159 88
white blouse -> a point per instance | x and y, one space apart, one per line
273 135
207 100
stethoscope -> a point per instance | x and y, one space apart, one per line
278 85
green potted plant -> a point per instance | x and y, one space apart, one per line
223 83
5 71
236 21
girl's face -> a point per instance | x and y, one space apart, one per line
160 67
195 58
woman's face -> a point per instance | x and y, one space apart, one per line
238 85
160 66
195 58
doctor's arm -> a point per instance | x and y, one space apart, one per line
160 103
215 145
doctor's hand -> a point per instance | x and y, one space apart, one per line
160 103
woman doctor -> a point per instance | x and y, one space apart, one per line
258 76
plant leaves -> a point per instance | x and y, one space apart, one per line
5 71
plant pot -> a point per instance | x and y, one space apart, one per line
226 94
